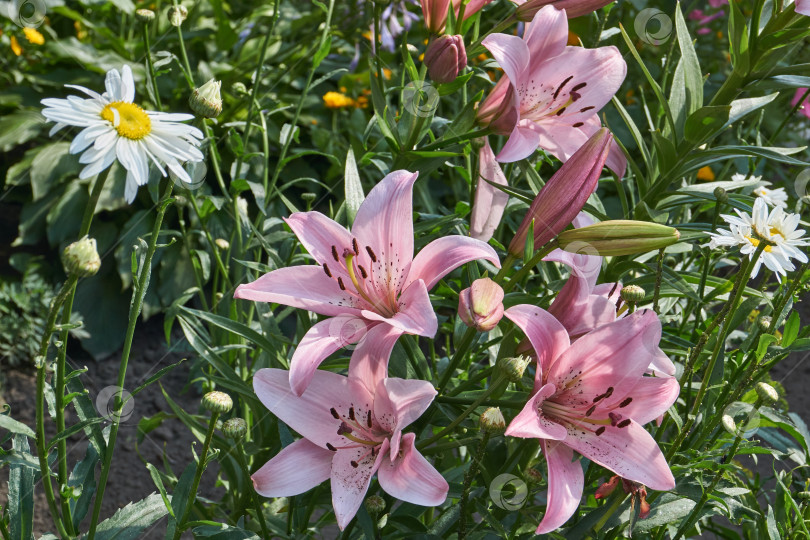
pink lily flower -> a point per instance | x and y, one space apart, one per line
351 430
717 3
592 397
435 12
490 202
803 7
366 280
551 93
573 8
702 19
805 108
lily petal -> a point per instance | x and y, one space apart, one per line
510 52
565 485
547 336
530 422
652 397
411 478
398 402
369 362
319 342
547 35
306 287
490 201
318 234
352 470
522 143
296 469
442 256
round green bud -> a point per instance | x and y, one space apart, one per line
308 197
533 476
145 15
804 495
177 14
729 424
222 243
239 88
632 294
492 421
375 505
81 258
721 195
766 392
513 367
234 428
218 402
206 100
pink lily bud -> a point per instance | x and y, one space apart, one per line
481 305
573 8
497 112
564 195
435 12
446 58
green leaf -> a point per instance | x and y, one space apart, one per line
21 495
15 426
691 67
129 522
49 166
323 50
738 39
791 329
353 186
705 121
83 477
19 127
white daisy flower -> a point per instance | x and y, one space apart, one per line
743 177
115 127
778 228
776 198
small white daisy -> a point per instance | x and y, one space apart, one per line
777 227
743 177
115 127
776 198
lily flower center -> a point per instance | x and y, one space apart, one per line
128 119
362 279
595 418
360 431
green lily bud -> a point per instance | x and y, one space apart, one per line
621 237
81 258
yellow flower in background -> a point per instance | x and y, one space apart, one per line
628 97
15 46
705 173
33 36
336 100
81 33
387 74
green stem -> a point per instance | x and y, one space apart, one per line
468 478
520 274
139 291
257 503
152 75
41 364
463 347
659 272
195 484
443 143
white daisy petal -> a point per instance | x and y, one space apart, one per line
128 85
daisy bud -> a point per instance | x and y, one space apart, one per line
206 101
620 237
721 195
446 58
412 50
145 15
308 197
234 428
533 476
491 421
632 293
573 8
766 392
177 14
81 258
729 424
764 323
239 88
375 505
222 244
514 367
804 495
480 306
218 402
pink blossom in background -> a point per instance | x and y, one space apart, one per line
805 108
351 430
367 280
593 397
702 20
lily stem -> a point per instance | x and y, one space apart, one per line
468 478
195 484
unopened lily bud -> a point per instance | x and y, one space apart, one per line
492 421
632 294
177 14
721 195
206 101
445 58
513 367
729 424
218 402
620 237
764 323
222 243
766 392
573 8
234 428
145 15
239 88
81 258
375 505
480 306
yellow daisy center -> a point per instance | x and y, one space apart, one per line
755 243
131 121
